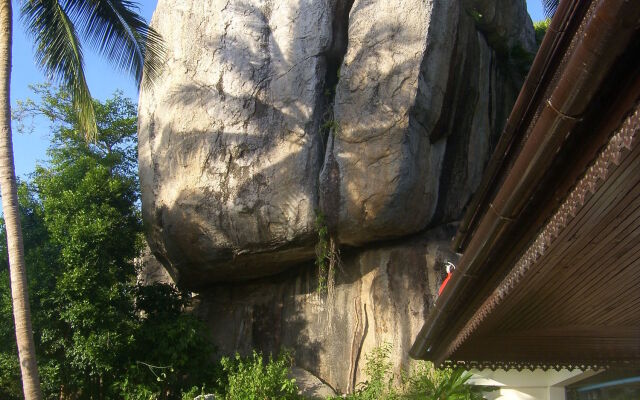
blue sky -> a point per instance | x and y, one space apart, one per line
103 80
30 148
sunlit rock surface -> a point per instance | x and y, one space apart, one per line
380 115
417 110
229 144
382 296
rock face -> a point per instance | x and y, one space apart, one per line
150 271
368 120
381 115
310 386
229 145
417 110
382 295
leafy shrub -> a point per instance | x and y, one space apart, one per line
379 371
194 392
322 252
541 28
251 378
423 381
98 334
431 384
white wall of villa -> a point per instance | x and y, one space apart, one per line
528 385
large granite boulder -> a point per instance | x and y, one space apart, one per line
417 110
382 295
380 115
229 146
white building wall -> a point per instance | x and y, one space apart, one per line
529 393
528 385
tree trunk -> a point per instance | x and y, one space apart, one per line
17 266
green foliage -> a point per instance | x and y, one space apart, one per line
252 378
430 384
423 381
327 257
541 28
322 252
97 332
331 125
10 386
380 382
194 392
112 27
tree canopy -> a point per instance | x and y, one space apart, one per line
98 332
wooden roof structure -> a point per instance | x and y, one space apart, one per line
550 270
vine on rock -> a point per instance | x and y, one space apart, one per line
327 256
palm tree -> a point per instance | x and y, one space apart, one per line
116 30
550 7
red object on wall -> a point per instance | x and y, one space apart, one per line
450 268
444 283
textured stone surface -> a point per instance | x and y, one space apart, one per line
310 386
382 114
381 296
250 130
151 271
229 145
417 110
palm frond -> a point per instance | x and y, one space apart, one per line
550 7
116 30
59 53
